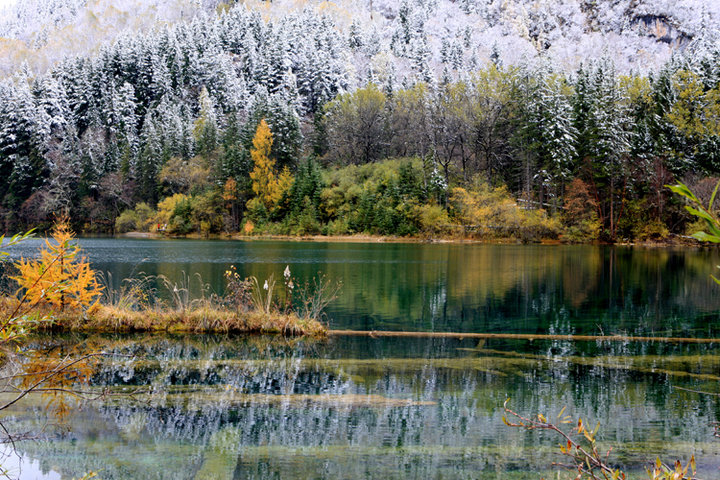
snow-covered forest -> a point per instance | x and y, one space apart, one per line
637 34
480 95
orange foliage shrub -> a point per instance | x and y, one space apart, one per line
61 277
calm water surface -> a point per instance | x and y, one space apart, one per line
356 407
459 288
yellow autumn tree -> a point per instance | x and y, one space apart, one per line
60 277
267 185
284 182
696 112
230 190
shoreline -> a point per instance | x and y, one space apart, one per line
316 331
673 241
201 320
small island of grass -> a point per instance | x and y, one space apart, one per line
59 291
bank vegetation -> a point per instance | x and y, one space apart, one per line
61 288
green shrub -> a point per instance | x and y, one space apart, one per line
432 219
256 211
167 206
583 231
337 227
126 222
640 222
537 225
179 225
378 198
652 230
695 226
206 212
181 217
145 217
306 222
492 212
140 219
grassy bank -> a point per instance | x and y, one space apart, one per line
400 199
350 238
201 319
59 291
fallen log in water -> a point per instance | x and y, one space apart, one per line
521 336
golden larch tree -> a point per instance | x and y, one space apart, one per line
267 185
60 277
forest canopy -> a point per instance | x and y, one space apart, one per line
157 131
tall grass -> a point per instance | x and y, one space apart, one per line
150 303
262 297
133 293
158 303
179 292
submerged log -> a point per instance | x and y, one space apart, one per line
521 336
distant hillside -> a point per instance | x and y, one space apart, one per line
636 34
41 32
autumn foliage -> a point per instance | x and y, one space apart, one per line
60 289
267 184
579 447
61 277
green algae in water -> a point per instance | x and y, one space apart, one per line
247 407
239 407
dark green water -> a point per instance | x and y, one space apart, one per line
459 288
385 408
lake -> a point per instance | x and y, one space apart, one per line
363 407
453 287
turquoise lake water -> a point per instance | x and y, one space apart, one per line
361 407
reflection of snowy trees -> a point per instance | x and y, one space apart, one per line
241 404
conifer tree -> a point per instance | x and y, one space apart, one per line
602 118
149 162
205 127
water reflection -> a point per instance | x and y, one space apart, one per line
354 407
450 287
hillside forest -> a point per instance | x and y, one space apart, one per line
233 122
